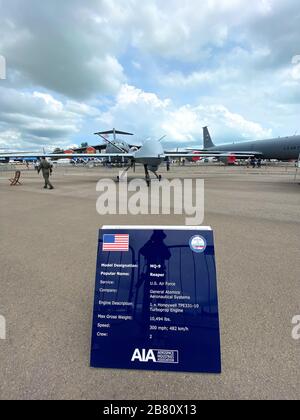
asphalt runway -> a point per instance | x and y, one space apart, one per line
47 269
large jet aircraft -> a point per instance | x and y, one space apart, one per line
282 148
151 155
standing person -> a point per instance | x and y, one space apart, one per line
168 164
253 162
46 169
259 162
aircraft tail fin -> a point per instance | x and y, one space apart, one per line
207 141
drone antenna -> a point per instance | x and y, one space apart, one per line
162 138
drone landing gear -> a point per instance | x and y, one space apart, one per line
147 175
124 172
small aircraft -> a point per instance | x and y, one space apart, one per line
110 146
150 154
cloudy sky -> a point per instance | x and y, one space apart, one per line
152 67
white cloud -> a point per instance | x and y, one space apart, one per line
185 124
295 72
148 115
200 78
184 30
10 138
52 104
75 47
182 125
129 95
72 67
221 118
61 47
39 119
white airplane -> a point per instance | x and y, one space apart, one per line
65 161
151 155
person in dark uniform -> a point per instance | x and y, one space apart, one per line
253 162
46 169
259 162
168 164
155 252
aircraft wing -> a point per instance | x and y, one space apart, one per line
123 155
113 132
232 152
65 155
208 154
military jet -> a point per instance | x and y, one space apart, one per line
282 148
150 154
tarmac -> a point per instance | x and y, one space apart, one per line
47 269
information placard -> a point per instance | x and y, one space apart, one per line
156 303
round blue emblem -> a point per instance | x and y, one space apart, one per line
198 244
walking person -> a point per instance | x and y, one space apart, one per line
168 164
253 162
46 169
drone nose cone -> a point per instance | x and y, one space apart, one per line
151 148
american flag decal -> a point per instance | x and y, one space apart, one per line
115 242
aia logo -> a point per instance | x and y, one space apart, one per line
155 356
143 356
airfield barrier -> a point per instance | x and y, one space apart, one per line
7 168
7 171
